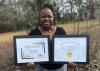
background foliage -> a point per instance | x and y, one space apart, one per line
24 14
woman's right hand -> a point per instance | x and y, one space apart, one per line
71 64
30 64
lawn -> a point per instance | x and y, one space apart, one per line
7 37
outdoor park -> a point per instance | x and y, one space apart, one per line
77 17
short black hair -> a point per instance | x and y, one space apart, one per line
48 5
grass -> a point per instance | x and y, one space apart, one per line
72 28
7 37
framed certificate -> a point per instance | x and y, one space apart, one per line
71 48
31 49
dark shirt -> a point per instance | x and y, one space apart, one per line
59 31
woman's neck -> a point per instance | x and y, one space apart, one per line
49 32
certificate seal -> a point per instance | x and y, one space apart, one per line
69 55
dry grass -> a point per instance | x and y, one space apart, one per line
6 37
7 50
72 28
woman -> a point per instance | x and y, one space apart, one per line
47 26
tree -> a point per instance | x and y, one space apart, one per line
91 9
17 13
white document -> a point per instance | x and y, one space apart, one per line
32 50
70 49
35 50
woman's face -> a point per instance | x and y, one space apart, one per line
46 18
